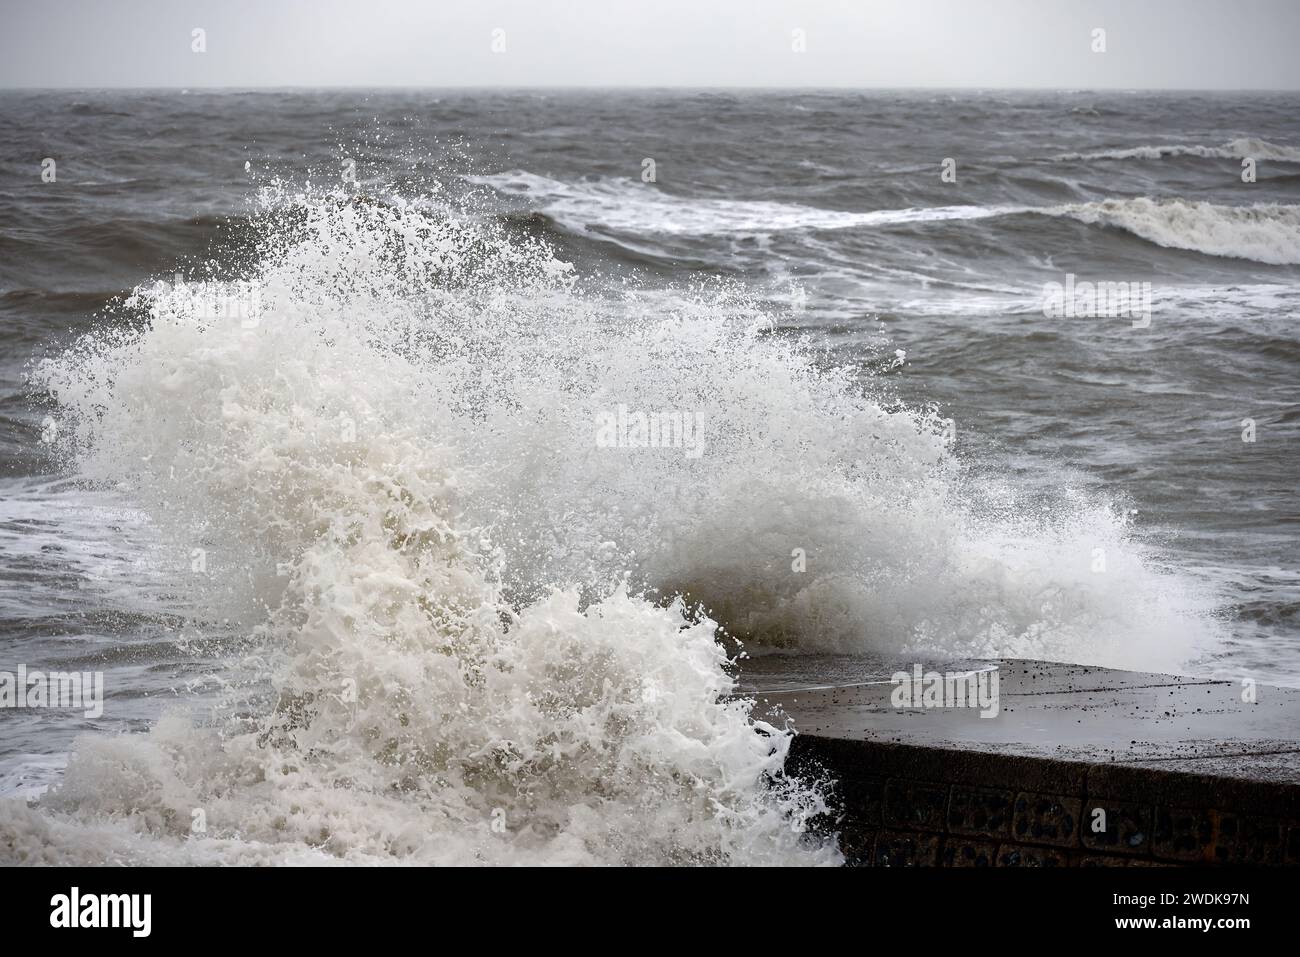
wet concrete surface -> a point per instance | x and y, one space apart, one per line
1071 713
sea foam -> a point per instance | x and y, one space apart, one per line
474 634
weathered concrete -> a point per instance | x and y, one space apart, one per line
1185 770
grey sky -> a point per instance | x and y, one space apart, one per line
1200 44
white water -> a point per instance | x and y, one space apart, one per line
1240 148
1265 232
394 479
624 205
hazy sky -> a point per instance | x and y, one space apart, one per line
1202 44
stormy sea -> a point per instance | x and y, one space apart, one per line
431 476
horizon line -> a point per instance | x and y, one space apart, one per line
640 87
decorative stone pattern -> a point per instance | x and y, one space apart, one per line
1182 834
916 804
896 808
981 812
959 853
907 849
1046 819
1118 826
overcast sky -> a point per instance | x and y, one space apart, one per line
1198 44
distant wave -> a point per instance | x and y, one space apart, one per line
1234 149
623 206
1267 232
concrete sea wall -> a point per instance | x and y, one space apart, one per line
1081 767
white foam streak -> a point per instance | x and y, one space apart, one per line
1266 233
1241 148
623 206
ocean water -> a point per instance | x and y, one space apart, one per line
301 411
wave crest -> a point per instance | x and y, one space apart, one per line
1265 232
1240 148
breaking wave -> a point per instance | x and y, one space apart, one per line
1266 233
1240 148
476 635
622 206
